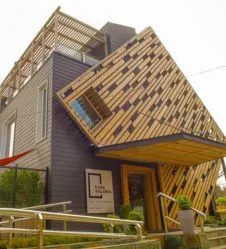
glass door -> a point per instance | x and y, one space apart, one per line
137 196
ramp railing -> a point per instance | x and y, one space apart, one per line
41 216
165 217
62 206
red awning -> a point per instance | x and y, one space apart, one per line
8 160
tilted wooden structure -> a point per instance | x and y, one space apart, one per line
61 33
148 112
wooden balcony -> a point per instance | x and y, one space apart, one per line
61 33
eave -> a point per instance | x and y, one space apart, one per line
181 149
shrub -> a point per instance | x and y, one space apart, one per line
221 200
135 215
117 228
48 241
124 211
184 202
173 242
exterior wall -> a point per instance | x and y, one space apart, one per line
117 34
196 182
24 105
70 148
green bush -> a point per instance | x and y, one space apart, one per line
184 202
173 242
48 241
124 211
221 200
134 215
117 228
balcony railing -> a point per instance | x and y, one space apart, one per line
61 33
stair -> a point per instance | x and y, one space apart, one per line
216 238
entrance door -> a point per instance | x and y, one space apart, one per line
139 190
137 196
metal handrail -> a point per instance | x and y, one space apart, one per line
69 217
45 206
162 195
41 216
48 205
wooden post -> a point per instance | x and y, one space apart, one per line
56 29
40 239
10 233
43 45
19 77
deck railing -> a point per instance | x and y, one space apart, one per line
41 216
165 217
61 33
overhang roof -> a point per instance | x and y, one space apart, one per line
181 149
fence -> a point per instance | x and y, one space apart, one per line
23 187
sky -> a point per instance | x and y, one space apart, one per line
192 31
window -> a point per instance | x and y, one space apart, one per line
90 108
8 137
42 112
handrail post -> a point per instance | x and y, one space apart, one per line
65 211
163 214
139 231
202 226
40 231
111 228
10 233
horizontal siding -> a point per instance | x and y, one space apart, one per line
70 148
25 107
118 34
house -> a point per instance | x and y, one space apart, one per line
114 119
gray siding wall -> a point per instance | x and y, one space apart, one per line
117 34
70 148
24 105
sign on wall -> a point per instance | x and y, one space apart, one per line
99 191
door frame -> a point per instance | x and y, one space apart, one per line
152 205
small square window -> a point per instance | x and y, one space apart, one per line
90 108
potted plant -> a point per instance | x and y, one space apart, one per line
186 216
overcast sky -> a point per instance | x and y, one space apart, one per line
193 32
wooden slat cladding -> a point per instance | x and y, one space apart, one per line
146 93
196 182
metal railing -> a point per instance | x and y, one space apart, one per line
41 216
62 205
165 217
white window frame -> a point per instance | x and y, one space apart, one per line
4 133
39 122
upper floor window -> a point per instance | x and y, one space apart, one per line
42 113
90 108
8 137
